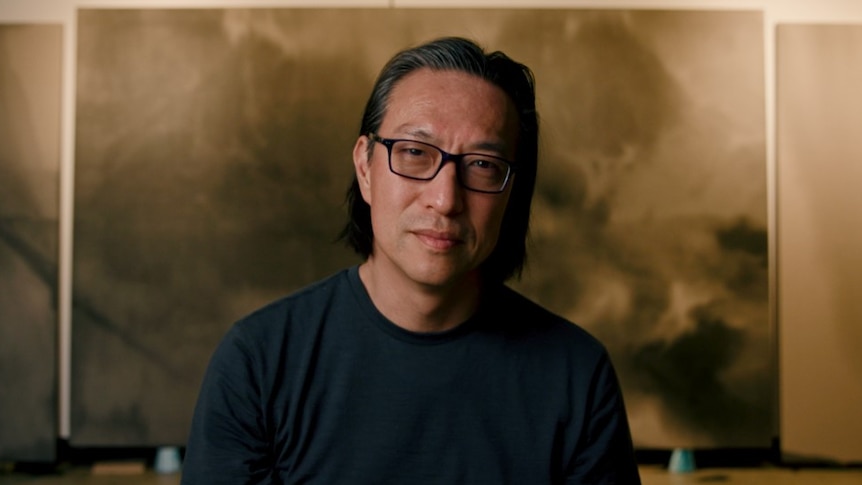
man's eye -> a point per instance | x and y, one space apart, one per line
483 164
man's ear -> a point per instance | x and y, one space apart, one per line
362 165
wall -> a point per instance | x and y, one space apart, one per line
798 266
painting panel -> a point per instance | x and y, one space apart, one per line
30 78
213 152
819 71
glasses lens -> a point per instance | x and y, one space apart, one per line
484 173
414 159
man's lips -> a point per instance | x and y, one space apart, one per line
438 239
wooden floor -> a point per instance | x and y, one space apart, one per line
651 475
753 476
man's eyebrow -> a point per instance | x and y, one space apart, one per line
418 132
422 134
498 147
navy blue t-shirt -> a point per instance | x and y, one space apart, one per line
320 388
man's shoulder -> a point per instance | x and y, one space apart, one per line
305 302
524 316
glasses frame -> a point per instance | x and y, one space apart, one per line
445 157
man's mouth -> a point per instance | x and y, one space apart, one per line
440 240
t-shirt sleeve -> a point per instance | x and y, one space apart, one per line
607 454
228 442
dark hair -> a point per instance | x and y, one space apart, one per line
517 81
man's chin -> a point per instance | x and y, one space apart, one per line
443 278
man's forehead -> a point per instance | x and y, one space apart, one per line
425 101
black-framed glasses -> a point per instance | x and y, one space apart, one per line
418 160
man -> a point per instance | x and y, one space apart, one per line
419 366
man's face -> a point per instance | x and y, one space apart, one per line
436 233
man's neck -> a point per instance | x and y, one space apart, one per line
417 307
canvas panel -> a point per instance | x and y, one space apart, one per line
30 77
213 151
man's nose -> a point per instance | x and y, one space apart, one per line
444 192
